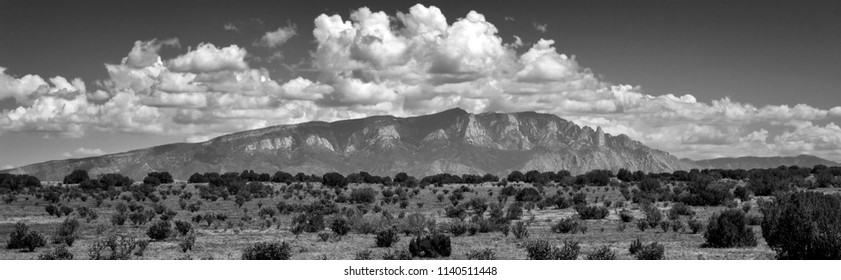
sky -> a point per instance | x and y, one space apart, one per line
698 79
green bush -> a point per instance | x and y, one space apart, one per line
59 253
66 232
386 237
566 225
363 255
520 230
22 238
653 216
635 247
729 228
540 249
603 253
340 226
696 226
186 243
159 230
267 251
592 212
803 225
397 255
457 227
430 246
183 227
481 254
626 216
651 251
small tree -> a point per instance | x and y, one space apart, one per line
267 251
159 230
729 228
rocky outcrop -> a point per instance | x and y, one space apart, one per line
452 141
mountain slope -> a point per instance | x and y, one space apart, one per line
759 162
451 141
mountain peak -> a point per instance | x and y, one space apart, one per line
452 141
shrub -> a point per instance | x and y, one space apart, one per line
540 249
186 243
642 225
430 246
520 230
309 222
52 210
729 229
677 226
695 225
652 215
363 255
592 212
340 226
159 230
22 238
397 255
121 249
66 232
566 225
457 227
635 247
651 251
59 253
626 216
267 251
515 211
363 195
603 253
680 209
481 254
387 237
528 194
183 227
803 225
665 225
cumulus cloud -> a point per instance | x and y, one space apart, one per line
208 58
145 54
278 37
230 27
408 63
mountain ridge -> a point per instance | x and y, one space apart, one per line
452 141
751 162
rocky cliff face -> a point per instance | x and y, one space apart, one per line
452 141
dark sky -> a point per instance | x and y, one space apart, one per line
762 52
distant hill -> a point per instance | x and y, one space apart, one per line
759 162
453 141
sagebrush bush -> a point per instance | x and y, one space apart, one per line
653 251
566 225
652 215
803 225
183 227
267 251
603 253
541 249
729 228
363 255
118 219
340 226
397 255
159 230
22 238
121 248
386 237
642 225
59 253
626 216
66 232
665 225
592 212
520 230
635 247
481 254
430 246
695 226
457 227
186 243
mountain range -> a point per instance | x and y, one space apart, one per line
759 162
452 141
